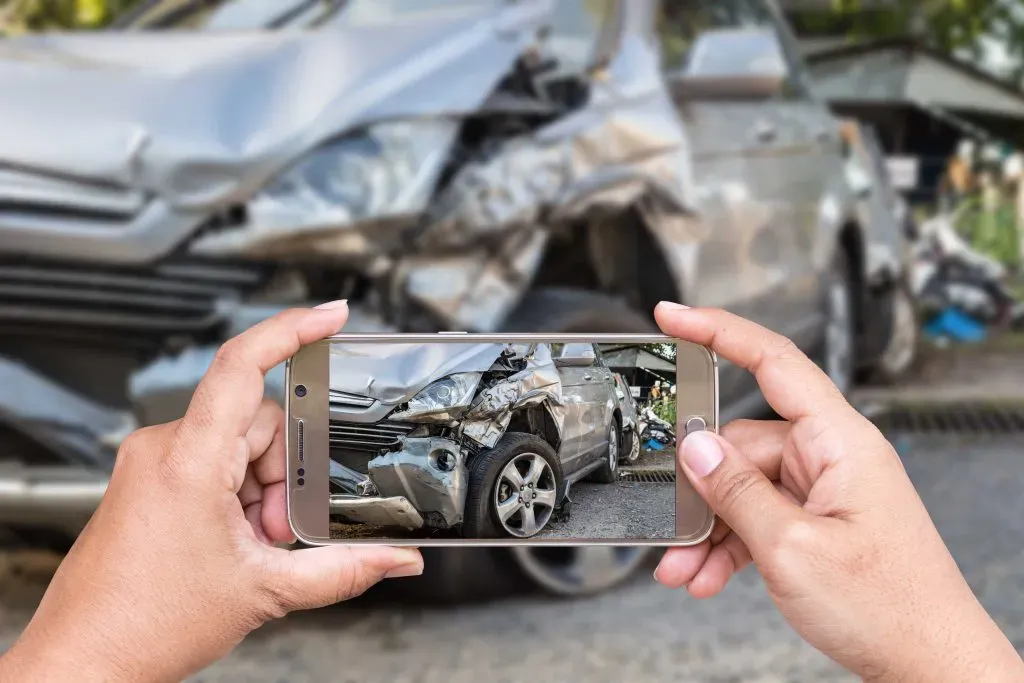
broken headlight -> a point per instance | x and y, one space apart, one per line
390 169
436 402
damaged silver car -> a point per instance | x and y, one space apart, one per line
485 438
476 165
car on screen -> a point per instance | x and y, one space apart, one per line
484 438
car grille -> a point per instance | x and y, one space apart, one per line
347 401
168 298
354 436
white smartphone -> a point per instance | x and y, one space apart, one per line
454 439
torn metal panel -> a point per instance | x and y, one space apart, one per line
350 481
538 384
477 290
429 472
395 511
601 157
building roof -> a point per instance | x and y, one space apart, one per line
904 71
637 357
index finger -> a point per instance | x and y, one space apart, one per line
791 383
227 399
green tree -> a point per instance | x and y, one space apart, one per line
955 27
22 16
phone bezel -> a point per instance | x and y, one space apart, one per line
308 506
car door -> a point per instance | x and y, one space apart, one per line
599 406
574 395
740 171
810 138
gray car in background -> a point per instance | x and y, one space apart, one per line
474 165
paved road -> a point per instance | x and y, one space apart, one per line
641 632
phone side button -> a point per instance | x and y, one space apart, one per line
695 424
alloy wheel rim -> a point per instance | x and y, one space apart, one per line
580 570
524 495
838 337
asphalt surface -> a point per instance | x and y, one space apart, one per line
638 632
621 510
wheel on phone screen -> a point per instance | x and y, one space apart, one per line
513 488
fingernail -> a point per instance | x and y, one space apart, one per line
331 305
673 306
405 571
702 454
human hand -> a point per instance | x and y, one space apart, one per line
822 505
178 563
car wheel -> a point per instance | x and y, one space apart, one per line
608 472
900 354
838 355
632 453
581 570
513 488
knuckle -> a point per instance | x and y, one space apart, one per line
227 355
785 348
732 488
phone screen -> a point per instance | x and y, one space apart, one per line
543 441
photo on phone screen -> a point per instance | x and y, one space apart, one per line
548 441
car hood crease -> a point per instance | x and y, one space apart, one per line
179 114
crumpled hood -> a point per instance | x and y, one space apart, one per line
197 117
394 373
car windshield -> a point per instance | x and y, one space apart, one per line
235 15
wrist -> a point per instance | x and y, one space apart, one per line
56 660
969 648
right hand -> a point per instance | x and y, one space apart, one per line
821 504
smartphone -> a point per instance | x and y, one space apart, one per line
453 439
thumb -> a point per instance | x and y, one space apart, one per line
317 577
736 490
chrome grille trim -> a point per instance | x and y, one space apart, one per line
37 193
344 399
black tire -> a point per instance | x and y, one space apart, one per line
608 473
576 311
899 357
631 441
481 518
839 349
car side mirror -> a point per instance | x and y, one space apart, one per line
734 64
577 356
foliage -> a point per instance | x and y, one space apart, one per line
666 351
955 27
993 233
21 16
666 410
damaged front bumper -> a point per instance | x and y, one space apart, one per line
422 484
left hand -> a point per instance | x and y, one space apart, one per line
178 563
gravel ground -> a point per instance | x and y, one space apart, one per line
640 632
619 510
